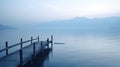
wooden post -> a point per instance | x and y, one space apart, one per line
6 48
31 40
20 52
21 57
21 43
38 38
48 42
51 41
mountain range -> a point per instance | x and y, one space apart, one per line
4 27
109 23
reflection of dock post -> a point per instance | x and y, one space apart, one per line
21 57
33 55
33 50
51 41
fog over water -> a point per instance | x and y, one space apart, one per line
86 48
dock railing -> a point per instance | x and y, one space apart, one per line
21 44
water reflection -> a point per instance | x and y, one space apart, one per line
39 60
80 48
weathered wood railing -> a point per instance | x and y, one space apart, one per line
17 44
21 44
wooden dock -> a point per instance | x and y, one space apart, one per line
24 54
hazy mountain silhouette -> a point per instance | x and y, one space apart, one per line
4 27
109 23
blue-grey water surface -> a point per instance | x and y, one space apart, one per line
80 48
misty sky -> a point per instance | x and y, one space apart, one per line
46 10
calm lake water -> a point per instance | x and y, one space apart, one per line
80 48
